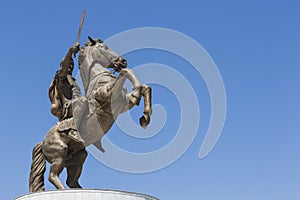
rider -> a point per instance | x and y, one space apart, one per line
65 96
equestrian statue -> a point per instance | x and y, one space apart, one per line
84 119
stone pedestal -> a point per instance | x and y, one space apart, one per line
83 194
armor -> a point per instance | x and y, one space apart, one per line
64 95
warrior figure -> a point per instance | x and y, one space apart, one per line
65 97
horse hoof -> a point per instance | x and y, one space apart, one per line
143 122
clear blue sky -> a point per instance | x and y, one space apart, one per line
256 46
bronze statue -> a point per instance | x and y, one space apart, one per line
62 146
64 91
84 120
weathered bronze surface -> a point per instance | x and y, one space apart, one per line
84 120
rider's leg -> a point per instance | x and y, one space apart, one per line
79 106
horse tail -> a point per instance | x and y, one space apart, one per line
38 168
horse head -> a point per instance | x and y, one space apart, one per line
100 53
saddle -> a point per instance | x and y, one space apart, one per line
68 128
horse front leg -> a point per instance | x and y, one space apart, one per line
133 97
147 94
136 93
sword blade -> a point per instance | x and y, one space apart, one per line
80 26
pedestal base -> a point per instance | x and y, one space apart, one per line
83 194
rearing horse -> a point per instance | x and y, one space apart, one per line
106 94
93 116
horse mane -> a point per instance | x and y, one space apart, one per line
85 49
82 54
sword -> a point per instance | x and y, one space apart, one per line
80 28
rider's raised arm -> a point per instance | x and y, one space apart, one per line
68 60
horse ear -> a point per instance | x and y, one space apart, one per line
92 40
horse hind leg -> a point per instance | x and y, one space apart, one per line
74 169
55 151
57 157
56 168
